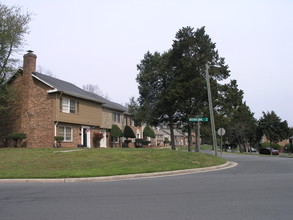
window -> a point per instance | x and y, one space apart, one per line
65 132
69 106
115 139
116 117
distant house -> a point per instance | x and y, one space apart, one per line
49 107
161 134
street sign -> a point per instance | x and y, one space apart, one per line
198 119
221 131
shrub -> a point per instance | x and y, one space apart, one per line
128 132
141 142
125 144
17 138
116 131
148 132
265 144
166 140
58 139
289 148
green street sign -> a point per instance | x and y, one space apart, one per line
198 119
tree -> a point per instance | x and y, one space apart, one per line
95 89
273 128
242 127
148 132
13 27
190 52
116 132
172 84
157 98
128 133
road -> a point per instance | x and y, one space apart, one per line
258 188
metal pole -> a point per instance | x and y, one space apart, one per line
211 109
197 148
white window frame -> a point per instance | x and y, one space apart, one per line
68 105
65 135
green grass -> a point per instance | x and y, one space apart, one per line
52 163
202 147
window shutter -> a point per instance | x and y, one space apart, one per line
77 107
60 104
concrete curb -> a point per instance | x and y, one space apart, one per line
124 177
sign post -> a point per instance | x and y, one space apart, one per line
221 132
198 119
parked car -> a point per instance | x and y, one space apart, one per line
252 149
268 151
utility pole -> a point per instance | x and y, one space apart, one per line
211 109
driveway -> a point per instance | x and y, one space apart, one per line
258 188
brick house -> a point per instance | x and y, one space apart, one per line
49 107
161 134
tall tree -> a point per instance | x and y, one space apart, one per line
273 127
13 27
157 98
191 50
242 127
172 85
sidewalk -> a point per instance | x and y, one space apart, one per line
123 177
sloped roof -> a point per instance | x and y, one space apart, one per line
58 85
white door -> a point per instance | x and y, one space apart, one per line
85 136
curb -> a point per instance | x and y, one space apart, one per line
124 177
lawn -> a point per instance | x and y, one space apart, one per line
65 163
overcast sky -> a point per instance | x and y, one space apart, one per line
100 42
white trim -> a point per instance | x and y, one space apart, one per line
103 142
43 81
88 136
52 90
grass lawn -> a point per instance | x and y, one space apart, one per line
56 163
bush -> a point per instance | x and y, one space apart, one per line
141 142
115 131
58 139
289 148
267 145
148 132
17 138
128 132
166 141
125 144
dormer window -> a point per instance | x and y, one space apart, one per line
69 106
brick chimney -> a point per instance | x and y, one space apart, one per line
27 96
29 62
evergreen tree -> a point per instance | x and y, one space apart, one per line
273 127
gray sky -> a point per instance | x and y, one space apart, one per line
101 42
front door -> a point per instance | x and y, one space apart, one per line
85 137
84 131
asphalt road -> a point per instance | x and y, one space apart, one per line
258 188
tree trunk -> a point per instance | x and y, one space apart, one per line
189 137
173 147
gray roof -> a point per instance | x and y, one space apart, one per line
58 85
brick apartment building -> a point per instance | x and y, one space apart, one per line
47 107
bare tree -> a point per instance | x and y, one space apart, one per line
95 89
